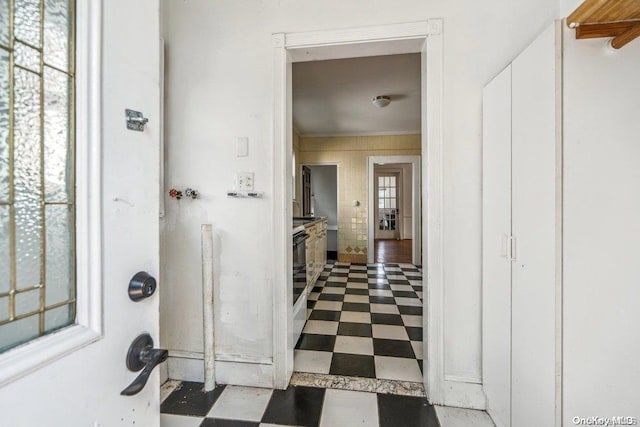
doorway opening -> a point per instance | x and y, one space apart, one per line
395 209
363 320
392 225
320 199
423 38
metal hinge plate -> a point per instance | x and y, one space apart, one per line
135 120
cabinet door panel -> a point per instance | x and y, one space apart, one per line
496 226
534 230
310 254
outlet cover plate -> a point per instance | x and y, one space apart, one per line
244 181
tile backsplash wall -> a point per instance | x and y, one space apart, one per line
351 153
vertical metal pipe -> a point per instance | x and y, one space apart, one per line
207 305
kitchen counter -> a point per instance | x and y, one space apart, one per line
307 221
308 266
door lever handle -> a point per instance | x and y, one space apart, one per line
142 355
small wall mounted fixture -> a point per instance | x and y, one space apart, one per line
189 193
244 194
135 120
381 101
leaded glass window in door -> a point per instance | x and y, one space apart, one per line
37 198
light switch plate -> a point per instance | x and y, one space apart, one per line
244 181
243 147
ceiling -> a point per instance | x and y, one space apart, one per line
332 98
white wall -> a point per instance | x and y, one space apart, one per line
220 81
601 230
568 6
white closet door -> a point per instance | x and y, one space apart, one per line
533 227
496 227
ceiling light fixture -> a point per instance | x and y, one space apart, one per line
381 101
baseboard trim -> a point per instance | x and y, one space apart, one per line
464 395
463 379
185 369
221 357
249 374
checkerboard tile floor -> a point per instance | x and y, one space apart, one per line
229 406
365 321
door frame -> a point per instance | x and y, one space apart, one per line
399 175
88 327
416 208
425 37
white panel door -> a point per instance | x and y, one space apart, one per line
496 266
82 387
534 228
387 200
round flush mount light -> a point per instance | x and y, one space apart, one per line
381 101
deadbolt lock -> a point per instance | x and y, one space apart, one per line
141 286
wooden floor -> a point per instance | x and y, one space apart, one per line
392 250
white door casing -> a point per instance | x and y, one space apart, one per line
118 54
425 37
283 334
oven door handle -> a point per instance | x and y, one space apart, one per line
299 238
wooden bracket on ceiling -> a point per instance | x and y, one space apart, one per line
619 19
626 37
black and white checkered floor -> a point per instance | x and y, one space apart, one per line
365 321
231 406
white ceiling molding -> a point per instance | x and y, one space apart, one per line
395 32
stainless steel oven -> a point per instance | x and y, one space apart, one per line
299 264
